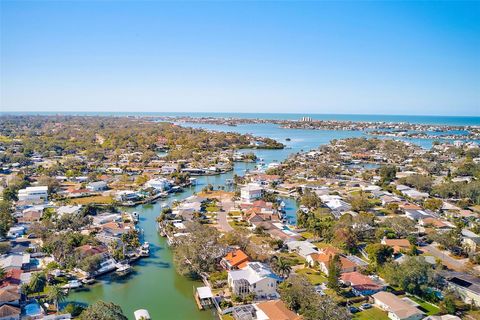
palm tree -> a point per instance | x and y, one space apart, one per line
281 266
37 282
56 294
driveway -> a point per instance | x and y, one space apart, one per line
223 222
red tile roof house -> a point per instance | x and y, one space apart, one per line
361 284
397 244
236 259
324 256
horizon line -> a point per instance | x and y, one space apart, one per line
241 112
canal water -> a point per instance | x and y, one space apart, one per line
154 285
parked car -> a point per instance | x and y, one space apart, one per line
353 309
365 306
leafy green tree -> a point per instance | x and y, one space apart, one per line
6 217
378 253
414 275
433 204
299 295
334 270
101 310
387 174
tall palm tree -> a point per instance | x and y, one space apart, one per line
37 282
281 266
56 294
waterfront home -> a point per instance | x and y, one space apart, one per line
97 186
251 192
160 184
127 195
465 285
265 179
106 217
398 309
256 278
33 194
236 259
362 285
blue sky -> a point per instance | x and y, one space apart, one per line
312 57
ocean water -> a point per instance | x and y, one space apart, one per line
417 119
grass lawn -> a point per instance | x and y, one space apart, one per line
292 258
315 277
93 199
429 308
212 208
371 314
307 235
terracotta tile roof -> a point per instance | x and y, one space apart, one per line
12 278
237 258
277 310
8 295
359 281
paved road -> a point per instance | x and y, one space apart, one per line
222 221
448 261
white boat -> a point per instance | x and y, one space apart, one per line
73 284
146 245
88 280
135 216
106 266
123 268
141 314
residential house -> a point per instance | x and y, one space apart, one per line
236 259
274 310
465 285
33 194
398 245
251 192
303 248
323 257
97 186
10 296
160 184
15 261
362 285
470 240
398 309
68 210
255 278
8 312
